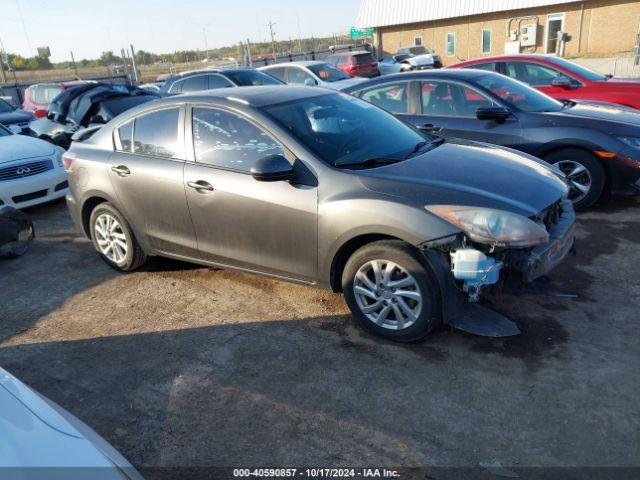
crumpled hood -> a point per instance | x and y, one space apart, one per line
469 173
425 59
20 147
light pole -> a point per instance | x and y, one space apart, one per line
204 35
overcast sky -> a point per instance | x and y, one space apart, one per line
89 27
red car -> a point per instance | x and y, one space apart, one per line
561 79
37 97
355 64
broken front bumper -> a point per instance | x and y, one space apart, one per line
544 258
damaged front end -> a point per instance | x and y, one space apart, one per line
495 244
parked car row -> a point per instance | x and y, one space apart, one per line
410 195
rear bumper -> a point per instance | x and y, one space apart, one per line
74 211
544 258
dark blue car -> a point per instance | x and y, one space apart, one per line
596 146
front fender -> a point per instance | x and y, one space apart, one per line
340 222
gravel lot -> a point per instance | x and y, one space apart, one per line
179 365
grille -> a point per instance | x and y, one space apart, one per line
29 196
26 170
61 186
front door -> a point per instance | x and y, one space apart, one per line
449 109
146 171
270 227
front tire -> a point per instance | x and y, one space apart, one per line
114 240
585 174
392 291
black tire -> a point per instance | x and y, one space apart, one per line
413 263
135 256
593 167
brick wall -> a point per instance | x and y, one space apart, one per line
608 27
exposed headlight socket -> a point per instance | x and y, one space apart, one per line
475 269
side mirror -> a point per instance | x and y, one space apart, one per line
15 129
498 114
273 168
562 82
310 82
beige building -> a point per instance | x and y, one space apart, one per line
467 29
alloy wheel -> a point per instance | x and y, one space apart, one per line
111 238
579 179
387 294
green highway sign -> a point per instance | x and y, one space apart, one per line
360 32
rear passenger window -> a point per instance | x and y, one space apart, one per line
226 140
124 137
157 134
176 87
393 97
277 72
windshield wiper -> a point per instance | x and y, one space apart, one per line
369 162
420 145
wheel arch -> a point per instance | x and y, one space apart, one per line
585 147
87 207
347 249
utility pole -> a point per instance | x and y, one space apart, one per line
273 38
249 53
3 75
73 62
135 68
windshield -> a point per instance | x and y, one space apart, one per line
328 73
421 50
247 78
518 94
342 129
5 107
584 72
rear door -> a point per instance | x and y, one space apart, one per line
146 171
269 227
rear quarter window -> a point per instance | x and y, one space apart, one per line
364 58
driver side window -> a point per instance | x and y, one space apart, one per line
533 74
224 139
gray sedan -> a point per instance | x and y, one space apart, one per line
320 188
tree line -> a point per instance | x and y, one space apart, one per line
110 59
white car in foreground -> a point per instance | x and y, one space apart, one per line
31 170
311 73
40 439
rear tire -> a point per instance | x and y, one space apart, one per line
392 291
114 240
585 174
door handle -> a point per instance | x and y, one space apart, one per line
201 185
121 170
429 127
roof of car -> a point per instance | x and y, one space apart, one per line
354 52
499 58
304 63
258 96
450 74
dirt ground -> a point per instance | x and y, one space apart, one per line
179 365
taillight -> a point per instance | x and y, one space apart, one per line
67 160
